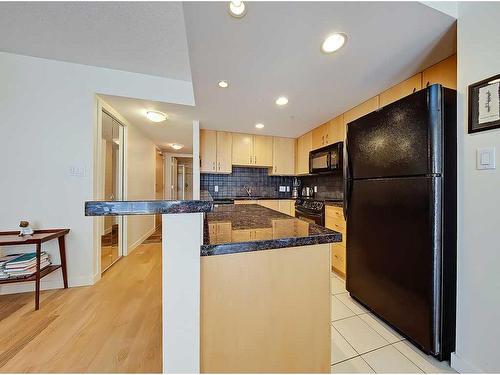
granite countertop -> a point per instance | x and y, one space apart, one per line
232 229
150 207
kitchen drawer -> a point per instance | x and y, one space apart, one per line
338 257
335 212
335 224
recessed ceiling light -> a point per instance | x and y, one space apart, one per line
176 146
237 8
259 126
156 116
282 100
333 42
223 84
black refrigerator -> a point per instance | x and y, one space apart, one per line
400 207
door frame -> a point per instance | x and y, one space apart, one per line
98 181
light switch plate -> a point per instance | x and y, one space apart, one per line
485 158
216 188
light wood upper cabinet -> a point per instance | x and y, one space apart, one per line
336 130
444 72
304 146
224 152
283 156
360 110
263 150
319 136
252 150
329 133
208 151
242 149
215 151
401 90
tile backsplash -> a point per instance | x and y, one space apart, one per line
330 186
233 185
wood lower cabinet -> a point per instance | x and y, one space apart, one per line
246 325
283 156
246 201
334 219
401 90
215 151
273 204
286 206
444 72
304 146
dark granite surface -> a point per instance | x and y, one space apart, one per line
232 229
152 207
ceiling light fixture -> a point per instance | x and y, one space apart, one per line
156 116
237 8
333 42
259 125
223 84
282 100
176 146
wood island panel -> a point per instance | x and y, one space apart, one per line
266 311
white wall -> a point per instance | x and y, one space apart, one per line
141 169
478 327
47 121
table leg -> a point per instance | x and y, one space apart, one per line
37 276
62 253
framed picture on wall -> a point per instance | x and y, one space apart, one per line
484 105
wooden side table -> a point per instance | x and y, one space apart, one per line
40 236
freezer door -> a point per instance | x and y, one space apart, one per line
393 253
400 139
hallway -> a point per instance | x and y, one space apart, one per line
113 326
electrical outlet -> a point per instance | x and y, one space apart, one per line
216 188
75 171
315 189
288 189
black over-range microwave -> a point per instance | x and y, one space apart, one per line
327 159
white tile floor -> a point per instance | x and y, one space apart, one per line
361 343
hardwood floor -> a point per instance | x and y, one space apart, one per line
113 326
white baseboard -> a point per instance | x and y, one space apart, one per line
462 366
52 281
140 240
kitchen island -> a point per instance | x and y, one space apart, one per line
245 288
265 292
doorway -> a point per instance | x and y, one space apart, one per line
181 173
159 184
112 169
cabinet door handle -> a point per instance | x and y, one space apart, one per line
275 169
322 140
213 165
255 159
250 160
218 165
326 138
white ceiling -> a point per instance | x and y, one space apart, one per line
142 37
275 50
177 129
